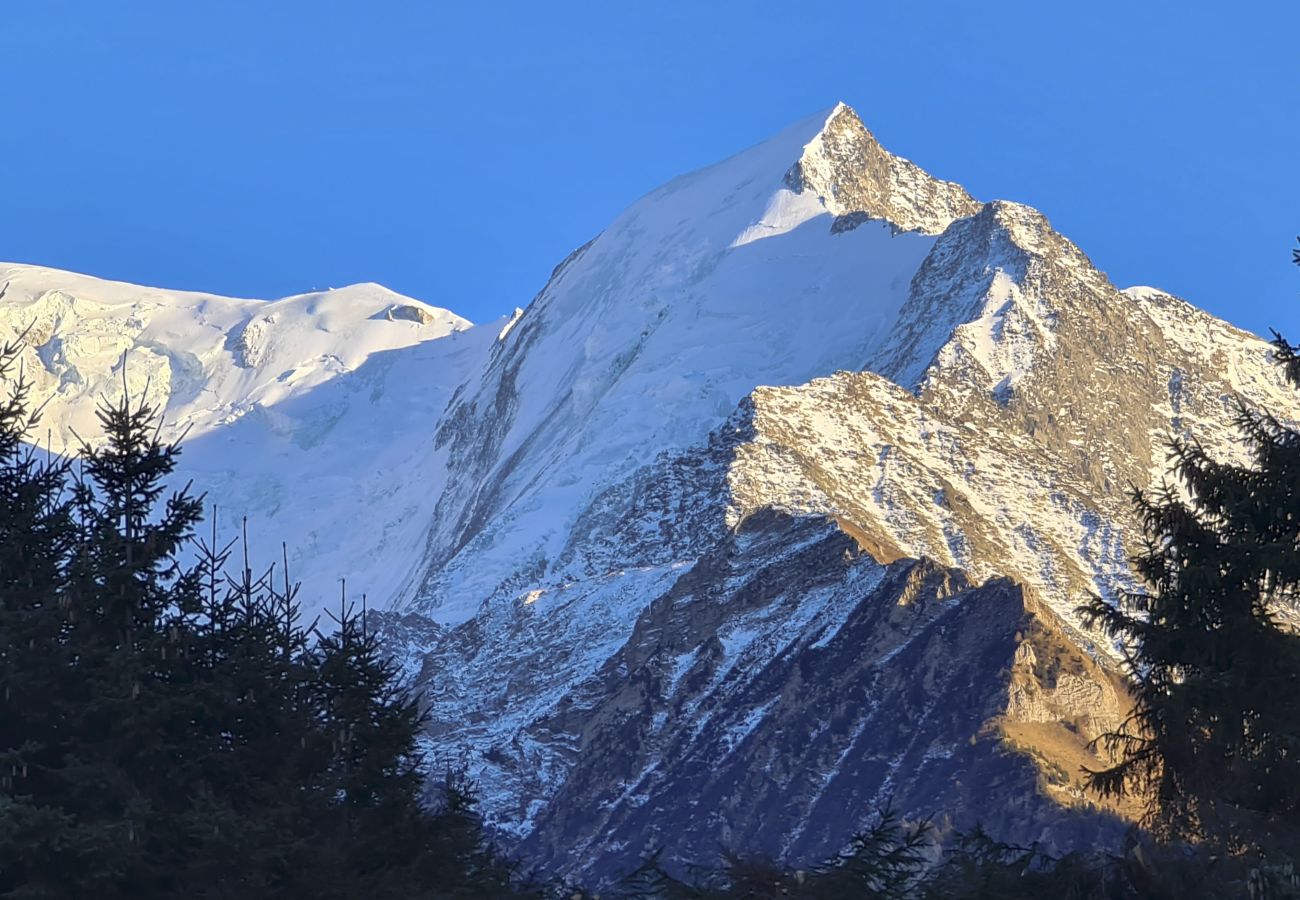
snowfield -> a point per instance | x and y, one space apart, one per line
311 415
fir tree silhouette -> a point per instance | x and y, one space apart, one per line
1213 742
169 727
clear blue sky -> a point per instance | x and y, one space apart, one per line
457 151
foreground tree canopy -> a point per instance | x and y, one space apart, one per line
1214 740
173 730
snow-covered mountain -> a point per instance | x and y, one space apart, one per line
776 501
311 415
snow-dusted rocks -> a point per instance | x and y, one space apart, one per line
776 501
646 338
857 180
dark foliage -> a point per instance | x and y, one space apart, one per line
1214 740
887 860
912 863
172 730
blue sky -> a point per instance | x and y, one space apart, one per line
456 152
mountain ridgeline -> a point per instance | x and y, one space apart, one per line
777 504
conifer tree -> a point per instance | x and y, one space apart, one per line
888 859
170 728
37 535
106 764
1214 739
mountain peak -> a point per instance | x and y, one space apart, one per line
858 179
842 109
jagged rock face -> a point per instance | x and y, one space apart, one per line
909 481
769 697
858 180
777 500
787 684
1040 394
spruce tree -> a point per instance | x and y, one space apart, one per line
387 832
37 535
170 728
1213 741
109 768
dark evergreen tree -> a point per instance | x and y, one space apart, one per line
886 860
98 732
170 729
379 837
37 537
651 881
889 859
976 866
1214 739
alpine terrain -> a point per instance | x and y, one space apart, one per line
774 506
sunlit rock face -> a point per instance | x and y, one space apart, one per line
788 683
773 506
857 180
